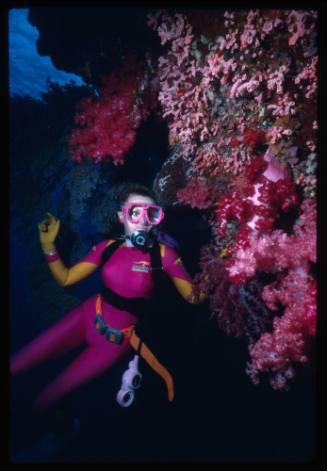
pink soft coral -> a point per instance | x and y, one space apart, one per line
197 194
276 251
289 342
238 311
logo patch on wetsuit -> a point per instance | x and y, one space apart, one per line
141 266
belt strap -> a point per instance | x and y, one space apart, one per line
111 334
135 306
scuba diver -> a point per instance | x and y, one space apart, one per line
111 321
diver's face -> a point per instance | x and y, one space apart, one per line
142 224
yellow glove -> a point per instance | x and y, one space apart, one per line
48 231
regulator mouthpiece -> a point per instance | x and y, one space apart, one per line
140 239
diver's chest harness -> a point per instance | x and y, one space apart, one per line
136 306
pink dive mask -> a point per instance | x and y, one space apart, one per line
134 213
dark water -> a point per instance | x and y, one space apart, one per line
217 415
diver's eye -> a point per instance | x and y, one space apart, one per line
135 213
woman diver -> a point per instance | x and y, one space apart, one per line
110 321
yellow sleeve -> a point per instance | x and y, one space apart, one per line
185 289
173 266
68 276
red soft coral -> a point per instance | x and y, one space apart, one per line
254 137
108 123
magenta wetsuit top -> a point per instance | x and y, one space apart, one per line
128 273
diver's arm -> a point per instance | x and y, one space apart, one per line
185 289
65 276
173 266
48 231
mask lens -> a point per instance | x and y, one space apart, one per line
135 213
154 214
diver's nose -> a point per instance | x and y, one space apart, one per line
144 220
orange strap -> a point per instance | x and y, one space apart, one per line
154 363
98 305
144 351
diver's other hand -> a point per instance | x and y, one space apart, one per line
48 231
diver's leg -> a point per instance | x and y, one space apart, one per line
90 363
63 336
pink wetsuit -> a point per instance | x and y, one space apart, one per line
128 273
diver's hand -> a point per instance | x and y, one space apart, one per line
48 231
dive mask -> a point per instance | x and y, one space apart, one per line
135 212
